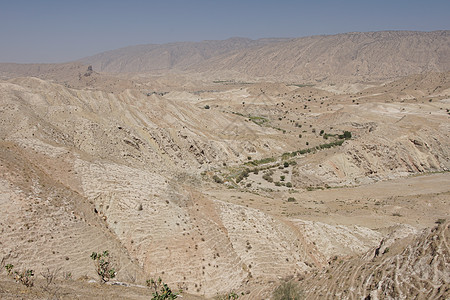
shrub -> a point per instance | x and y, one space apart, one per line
286 164
287 291
261 161
9 268
207 107
346 135
291 199
217 179
25 277
103 265
282 178
267 177
288 184
161 291
50 276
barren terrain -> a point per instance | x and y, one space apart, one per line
221 186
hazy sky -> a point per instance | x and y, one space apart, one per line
64 30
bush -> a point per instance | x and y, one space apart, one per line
287 291
217 179
161 291
9 268
267 177
103 266
288 184
261 161
347 135
207 107
25 277
230 296
291 199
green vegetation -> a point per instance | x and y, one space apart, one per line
347 135
287 291
217 179
268 176
258 120
261 161
291 199
161 291
301 85
25 277
242 175
288 155
103 265
9 268
223 81
230 296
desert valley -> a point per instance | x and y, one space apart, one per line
231 168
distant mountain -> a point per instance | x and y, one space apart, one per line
349 56
172 56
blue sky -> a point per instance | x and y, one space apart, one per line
63 30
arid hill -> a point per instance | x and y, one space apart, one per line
412 267
166 57
221 185
338 58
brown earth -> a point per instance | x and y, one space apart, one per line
222 186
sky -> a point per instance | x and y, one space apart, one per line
45 31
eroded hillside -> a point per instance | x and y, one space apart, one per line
343 58
224 187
